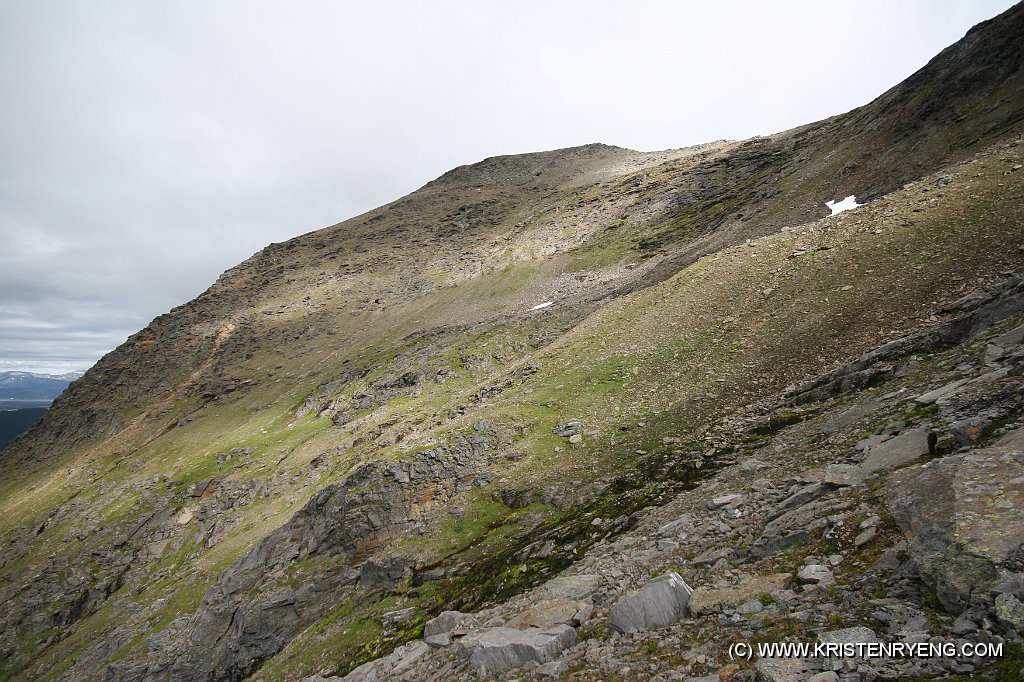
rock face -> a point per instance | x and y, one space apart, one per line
964 519
660 602
232 632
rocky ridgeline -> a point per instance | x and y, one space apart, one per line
904 524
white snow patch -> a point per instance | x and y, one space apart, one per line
545 304
844 205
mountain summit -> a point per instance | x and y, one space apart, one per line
590 412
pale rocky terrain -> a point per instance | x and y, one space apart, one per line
366 453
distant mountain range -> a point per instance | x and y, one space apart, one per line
34 386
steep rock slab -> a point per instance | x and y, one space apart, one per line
963 516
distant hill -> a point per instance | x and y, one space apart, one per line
13 423
33 386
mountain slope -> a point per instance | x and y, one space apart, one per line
374 416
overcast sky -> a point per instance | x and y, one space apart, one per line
145 147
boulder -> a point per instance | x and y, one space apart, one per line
551 670
816 574
394 665
854 635
1011 338
679 525
800 498
711 556
660 602
1010 611
492 650
964 625
572 586
444 623
548 613
730 499
827 676
439 632
865 536
706 600
849 635
753 466
568 429
664 545
841 475
899 451
796 525
393 619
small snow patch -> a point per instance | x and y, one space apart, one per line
545 304
844 205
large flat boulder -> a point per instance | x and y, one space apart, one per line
899 451
548 613
705 600
572 586
660 602
493 650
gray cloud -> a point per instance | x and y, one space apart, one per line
147 147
